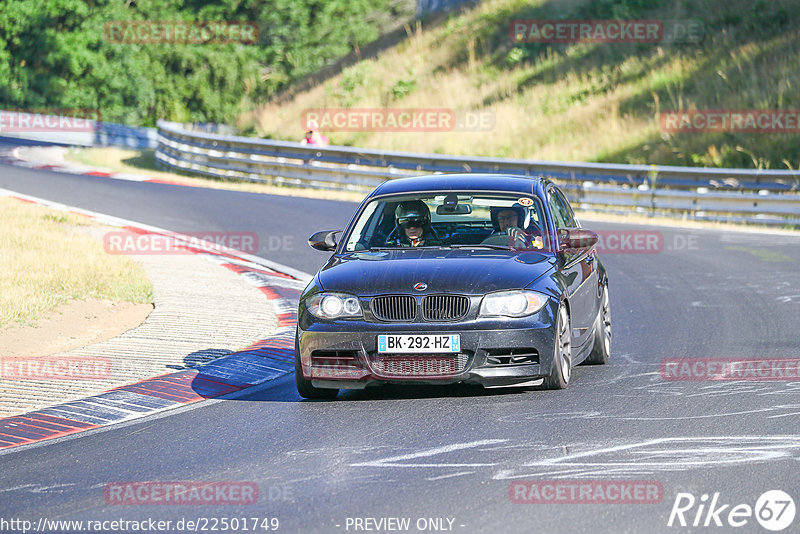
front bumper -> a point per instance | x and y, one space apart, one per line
343 354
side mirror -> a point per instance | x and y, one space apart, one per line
576 239
324 240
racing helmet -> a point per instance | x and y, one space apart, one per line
413 211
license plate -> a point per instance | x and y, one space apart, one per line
425 344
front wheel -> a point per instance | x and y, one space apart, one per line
562 356
601 349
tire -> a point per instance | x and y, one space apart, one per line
304 387
601 349
562 353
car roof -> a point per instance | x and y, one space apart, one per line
461 182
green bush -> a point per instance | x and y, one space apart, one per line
54 55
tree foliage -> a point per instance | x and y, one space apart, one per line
54 54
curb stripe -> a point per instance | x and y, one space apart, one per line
260 362
13 435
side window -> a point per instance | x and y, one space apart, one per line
562 213
574 222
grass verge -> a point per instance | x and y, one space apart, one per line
589 218
48 258
144 162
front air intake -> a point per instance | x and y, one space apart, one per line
418 365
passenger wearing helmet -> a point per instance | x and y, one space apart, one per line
414 225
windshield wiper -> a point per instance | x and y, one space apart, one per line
492 247
425 247
438 247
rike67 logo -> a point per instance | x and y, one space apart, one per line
774 510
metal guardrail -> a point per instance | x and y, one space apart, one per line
90 133
110 134
742 195
759 196
666 176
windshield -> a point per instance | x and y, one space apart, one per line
455 220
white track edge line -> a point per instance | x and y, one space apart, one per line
118 221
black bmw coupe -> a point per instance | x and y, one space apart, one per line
474 278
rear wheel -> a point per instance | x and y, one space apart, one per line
562 356
304 387
602 333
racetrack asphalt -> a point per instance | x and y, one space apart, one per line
453 452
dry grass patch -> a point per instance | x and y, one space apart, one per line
578 102
49 257
143 162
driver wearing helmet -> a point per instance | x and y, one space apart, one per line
414 225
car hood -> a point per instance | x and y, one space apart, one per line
444 271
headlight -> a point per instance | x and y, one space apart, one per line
334 306
517 303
